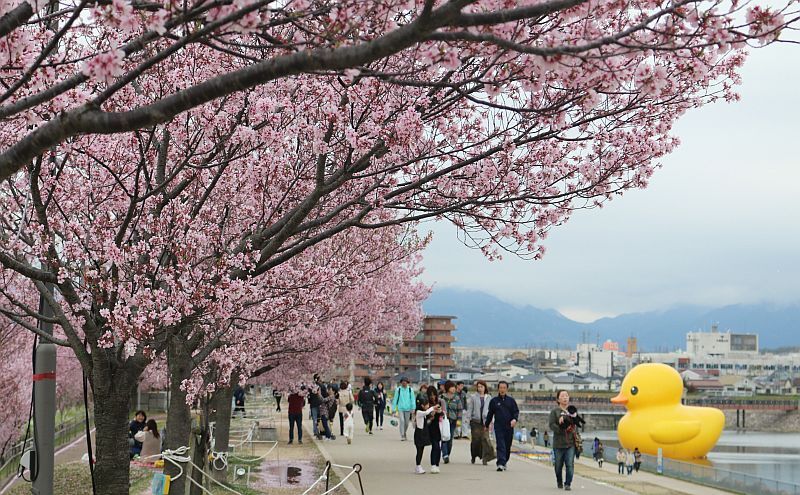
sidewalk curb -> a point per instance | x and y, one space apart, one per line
351 489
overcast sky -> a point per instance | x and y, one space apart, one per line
719 223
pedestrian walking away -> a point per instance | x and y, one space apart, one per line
637 459
454 406
296 404
546 438
238 398
563 428
345 398
621 460
380 404
476 412
366 401
277 394
404 404
505 413
349 423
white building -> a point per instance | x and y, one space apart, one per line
593 359
716 343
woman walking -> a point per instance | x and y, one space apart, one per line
562 426
424 417
345 397
454 405
326 409
380 404
434 431
598 453
477 407
621 460
637 459
629 460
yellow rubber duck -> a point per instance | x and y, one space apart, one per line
656 418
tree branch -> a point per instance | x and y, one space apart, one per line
15 18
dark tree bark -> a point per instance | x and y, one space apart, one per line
112 404
221 415
179 418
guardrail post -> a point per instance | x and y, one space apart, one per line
357 468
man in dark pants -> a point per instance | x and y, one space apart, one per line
366 400
505 412
296 403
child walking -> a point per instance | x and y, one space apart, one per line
422 437
349 424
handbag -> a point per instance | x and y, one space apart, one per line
487 448
444 428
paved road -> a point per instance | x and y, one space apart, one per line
388 466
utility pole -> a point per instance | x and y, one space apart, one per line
429 360
44 405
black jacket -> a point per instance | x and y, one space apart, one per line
503 410
366 398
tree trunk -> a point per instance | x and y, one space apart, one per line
199 456
179 417
221 414
112 388
112 471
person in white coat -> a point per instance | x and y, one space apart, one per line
345 397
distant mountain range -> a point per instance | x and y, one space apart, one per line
484 320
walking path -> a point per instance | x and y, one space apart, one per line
388 469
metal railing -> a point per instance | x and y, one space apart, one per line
707 475
66 432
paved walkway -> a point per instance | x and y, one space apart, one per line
388 466
388 469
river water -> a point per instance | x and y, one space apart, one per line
773 456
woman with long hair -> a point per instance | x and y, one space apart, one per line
434 433
477 409
151 440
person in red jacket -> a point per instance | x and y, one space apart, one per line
296 403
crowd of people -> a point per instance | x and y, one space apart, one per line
442 412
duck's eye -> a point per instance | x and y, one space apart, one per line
634 390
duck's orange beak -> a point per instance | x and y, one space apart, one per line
619 399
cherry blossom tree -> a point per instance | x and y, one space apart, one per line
170 165
15 366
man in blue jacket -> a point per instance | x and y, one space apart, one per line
505 412
404 403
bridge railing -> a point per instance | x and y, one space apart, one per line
603 403
707 475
